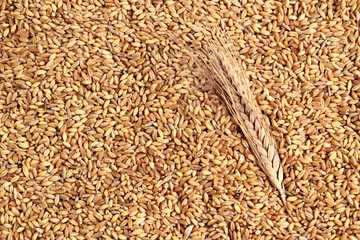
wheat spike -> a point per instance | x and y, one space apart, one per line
231 85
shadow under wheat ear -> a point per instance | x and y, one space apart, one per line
231 85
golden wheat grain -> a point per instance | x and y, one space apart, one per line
98 109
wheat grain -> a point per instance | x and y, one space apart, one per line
98 108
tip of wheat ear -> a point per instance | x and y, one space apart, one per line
229 82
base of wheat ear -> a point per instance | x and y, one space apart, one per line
227 77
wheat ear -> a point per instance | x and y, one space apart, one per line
231 85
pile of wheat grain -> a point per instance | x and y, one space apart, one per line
107 133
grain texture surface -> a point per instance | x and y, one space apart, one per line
107 133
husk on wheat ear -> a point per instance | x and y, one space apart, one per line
229 82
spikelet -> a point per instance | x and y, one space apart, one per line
228 80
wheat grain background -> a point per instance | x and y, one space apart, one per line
107 130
